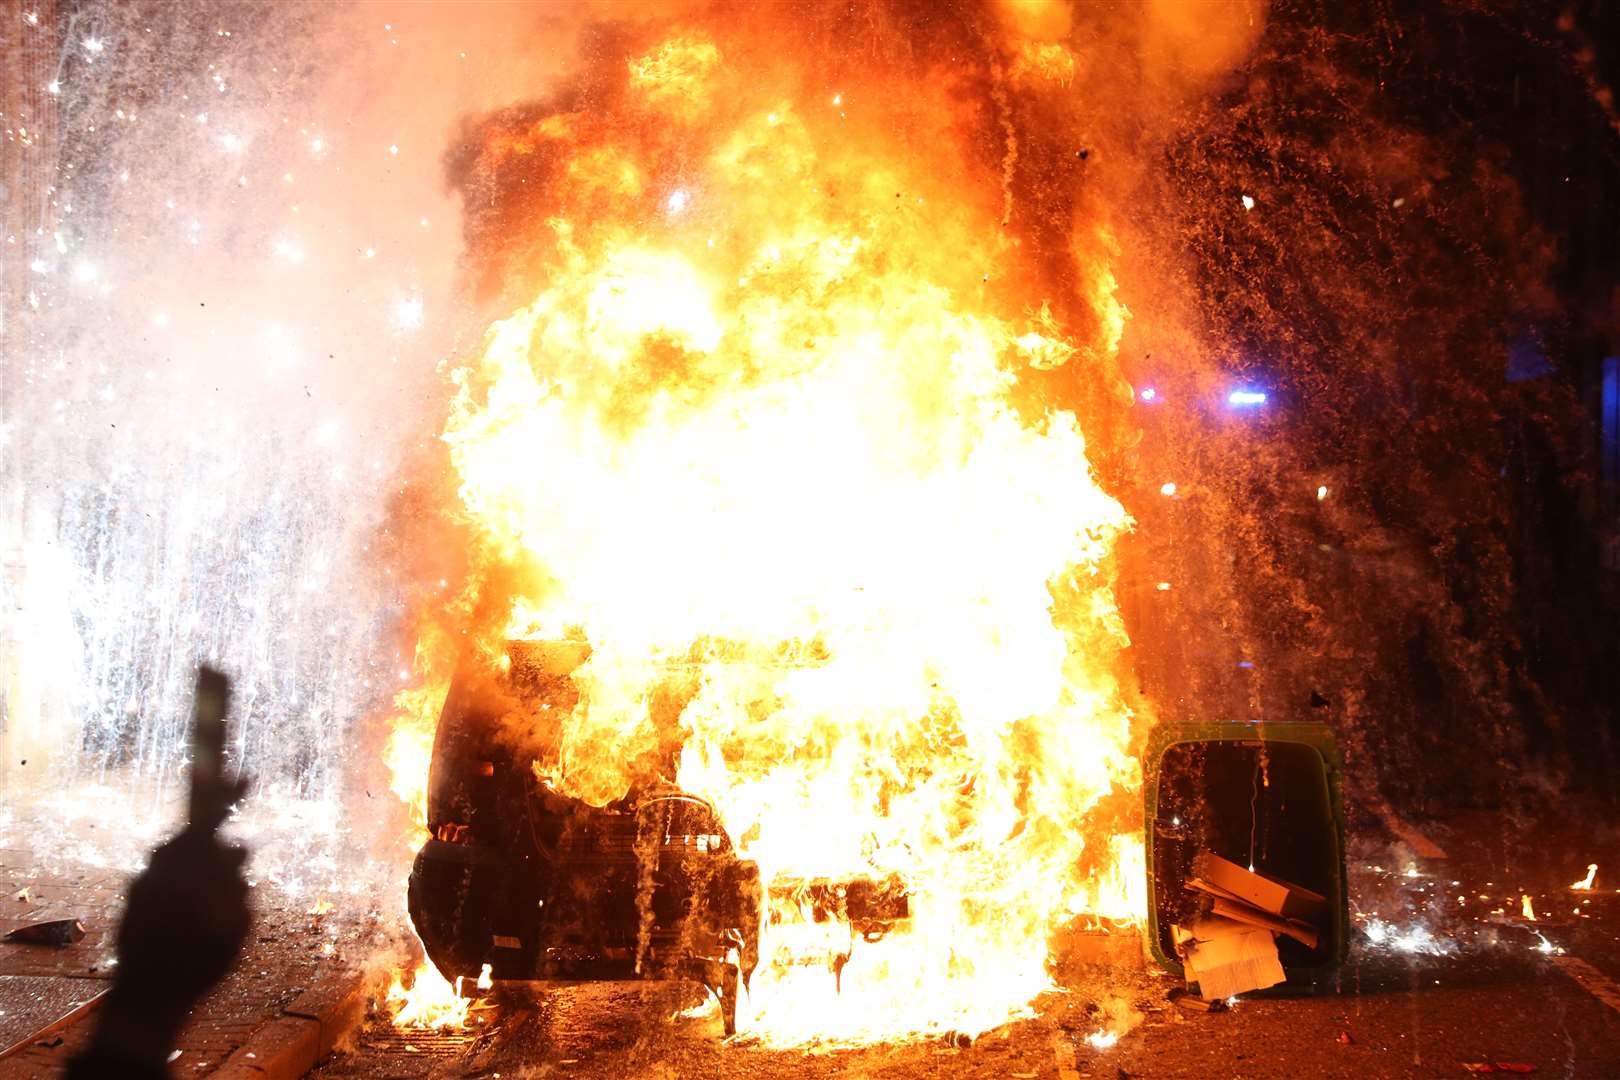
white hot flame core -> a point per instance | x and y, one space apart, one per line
774 455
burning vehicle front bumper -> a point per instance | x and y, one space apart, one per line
618 898
521 883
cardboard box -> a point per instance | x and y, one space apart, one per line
1243 913
1226 957
1267 894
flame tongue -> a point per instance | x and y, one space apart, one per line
760 419
431 1001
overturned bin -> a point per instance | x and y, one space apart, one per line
1264 796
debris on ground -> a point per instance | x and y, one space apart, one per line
57 932
1226 958
1188 1000
1498 1066
1232 947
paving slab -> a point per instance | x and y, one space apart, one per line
34 1007
288 1000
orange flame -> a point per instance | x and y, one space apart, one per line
765 419
430 1001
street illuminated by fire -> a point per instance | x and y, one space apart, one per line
692 537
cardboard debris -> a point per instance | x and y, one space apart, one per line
1266 893
1225 957
1228 905
57 932
1242 913
1233 947
1200 885
1188 1000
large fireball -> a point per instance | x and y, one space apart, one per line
759 438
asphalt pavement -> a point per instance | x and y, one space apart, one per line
1447 976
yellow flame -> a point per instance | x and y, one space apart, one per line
762 446
1589 879
430 1001
1527 908
409 749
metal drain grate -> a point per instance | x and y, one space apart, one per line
422 1045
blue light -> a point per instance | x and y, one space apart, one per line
1609 438
1242 398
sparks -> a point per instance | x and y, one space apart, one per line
409 314
1414 939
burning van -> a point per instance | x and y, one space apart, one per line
535 885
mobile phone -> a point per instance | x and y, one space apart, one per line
209 792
